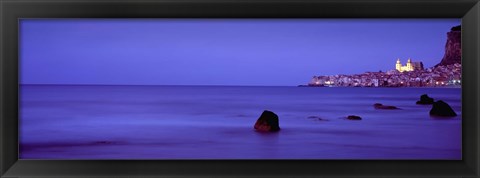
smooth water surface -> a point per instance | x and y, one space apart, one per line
216 122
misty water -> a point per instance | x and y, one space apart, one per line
216 122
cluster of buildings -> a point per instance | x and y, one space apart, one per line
411 75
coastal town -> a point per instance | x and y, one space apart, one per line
447 73
411 75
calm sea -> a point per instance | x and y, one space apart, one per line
216 122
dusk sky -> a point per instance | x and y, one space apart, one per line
267 52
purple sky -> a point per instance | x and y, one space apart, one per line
285 52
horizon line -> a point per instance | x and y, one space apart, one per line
161 85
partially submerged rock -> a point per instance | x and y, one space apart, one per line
381 106
317 118
267 122
354 117
425 99
103 142
440 108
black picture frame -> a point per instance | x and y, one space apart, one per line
12 10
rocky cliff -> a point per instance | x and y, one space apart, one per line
453 48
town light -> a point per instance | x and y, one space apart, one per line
415 78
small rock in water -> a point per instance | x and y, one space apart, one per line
440 108
425 99
103 143
268 122
317 118
353 117
381 106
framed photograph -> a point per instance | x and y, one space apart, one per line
239 88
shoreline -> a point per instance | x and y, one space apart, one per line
297 86
306 86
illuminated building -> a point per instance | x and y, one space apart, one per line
411 66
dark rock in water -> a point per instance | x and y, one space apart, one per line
441 108
103 143
268 122
353 117
317 118
381 106
424 99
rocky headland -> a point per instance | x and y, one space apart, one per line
453 47
446 73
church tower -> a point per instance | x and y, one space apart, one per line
409 65
398 66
